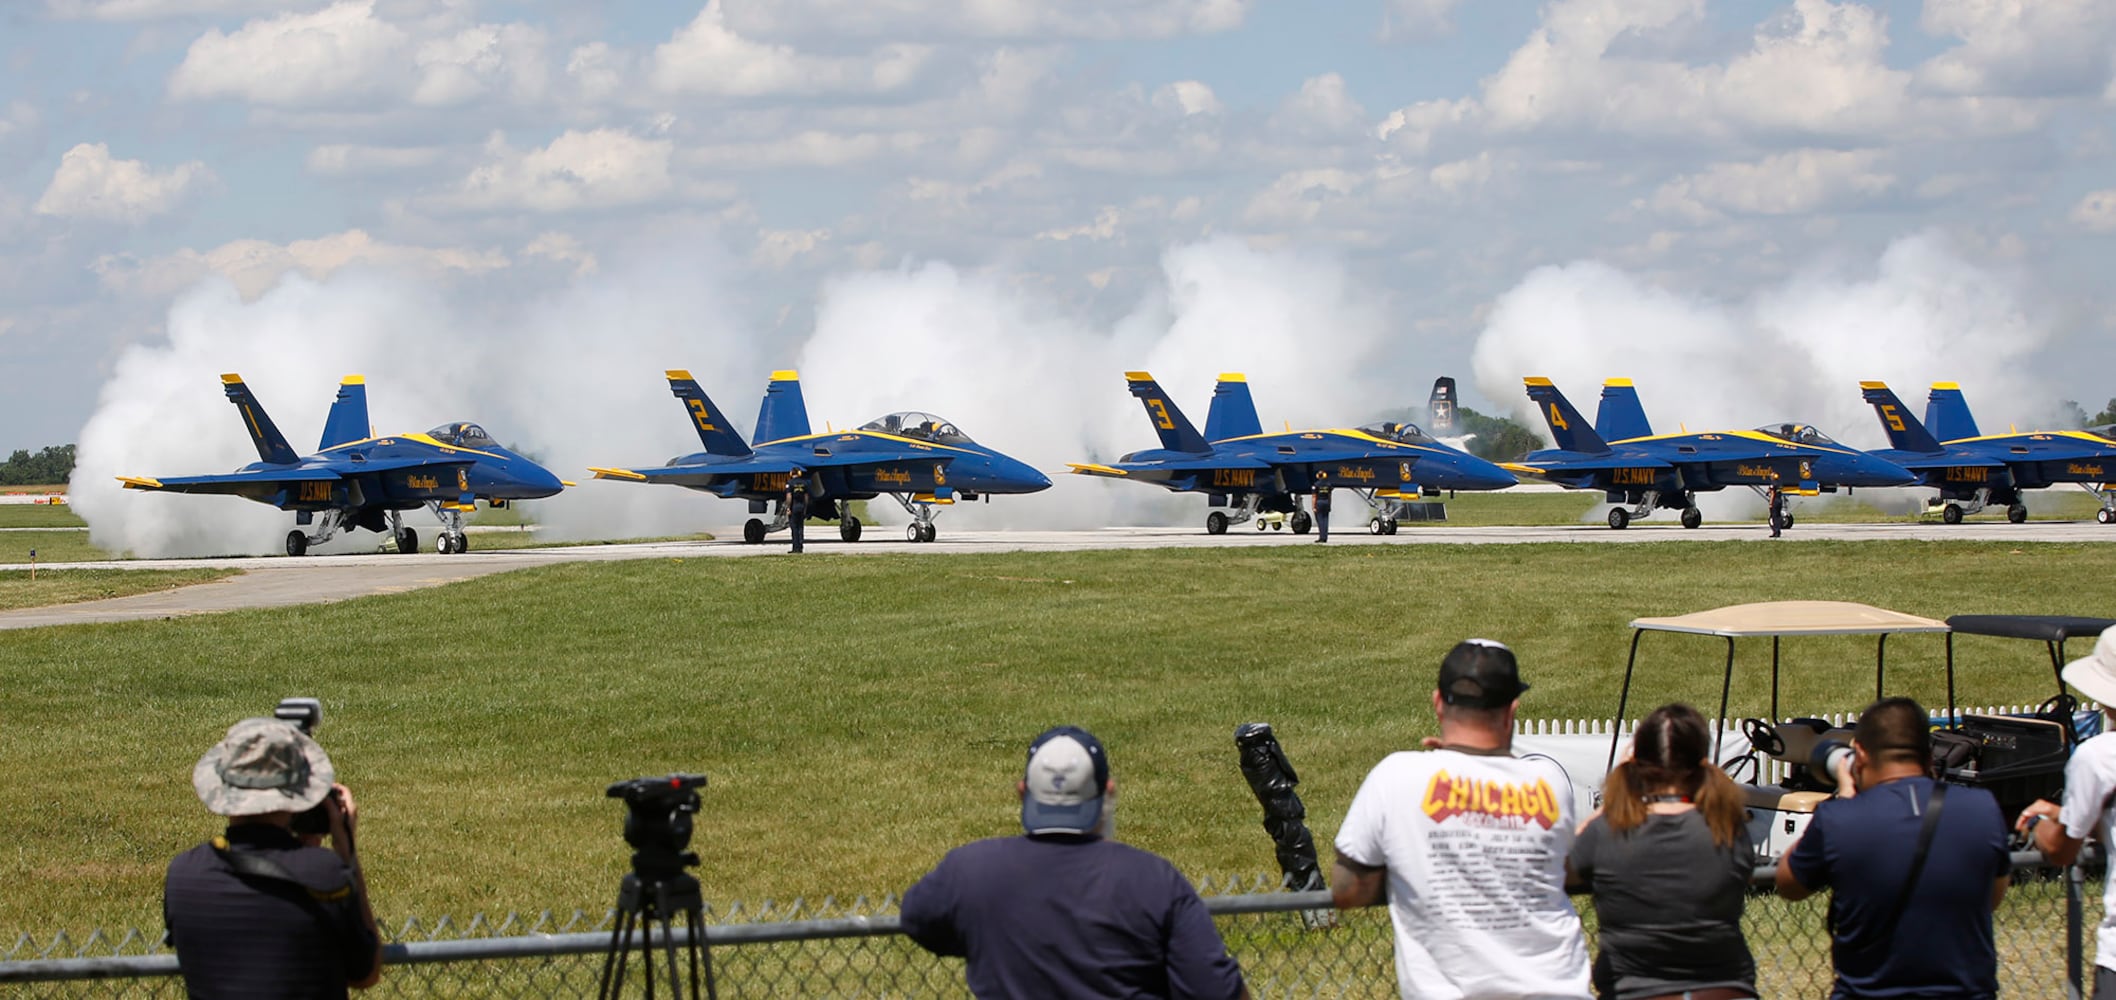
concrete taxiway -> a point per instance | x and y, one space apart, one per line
278 581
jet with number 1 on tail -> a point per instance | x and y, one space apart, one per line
1238 466
1641 471
920 460
356 480
1973 470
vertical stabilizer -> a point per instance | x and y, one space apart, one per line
1176 432
711 423
1947 413
1440 416
1621 416
1567 427
1904 431
271 445
348 419
784 414
1233 412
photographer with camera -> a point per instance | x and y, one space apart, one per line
2059 832
256 911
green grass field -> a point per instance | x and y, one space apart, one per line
858 716
37 515
70 586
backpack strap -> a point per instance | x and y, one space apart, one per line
254 865
1885 929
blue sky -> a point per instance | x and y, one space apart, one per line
1590 187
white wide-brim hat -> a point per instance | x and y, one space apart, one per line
2095 674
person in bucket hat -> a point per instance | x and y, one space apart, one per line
261 910
1065 910
2090 783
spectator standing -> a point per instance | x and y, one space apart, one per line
1917 867
1467 843
1066 911
2090 784
797 504
1668 861
1322 508
255 912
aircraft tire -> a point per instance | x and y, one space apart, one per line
849 528
1952 513
407 541
1388 527
1692 517
2017 513
297 544
1619 518
1302 521
1785 522
462 543
1374 526
2105 516
444 543
753 531
1216 523
929 532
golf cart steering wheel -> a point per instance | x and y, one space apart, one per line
2060 704
1763 737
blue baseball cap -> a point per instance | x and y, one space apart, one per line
1066 774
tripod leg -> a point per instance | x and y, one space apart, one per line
646 951
694 921
613 960
668 947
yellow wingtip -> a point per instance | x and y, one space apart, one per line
353 380
230 378
625 474
1233 377
675 374
786 375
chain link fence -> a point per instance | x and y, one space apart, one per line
1289 945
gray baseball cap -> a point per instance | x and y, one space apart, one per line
263 766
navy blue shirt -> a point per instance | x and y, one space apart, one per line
1861 847
1064 916
242 936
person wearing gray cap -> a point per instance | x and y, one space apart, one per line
1067 911
256 912
1467 844
2090 786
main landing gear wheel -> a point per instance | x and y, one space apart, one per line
1785 522
1692 517
753 531
444 543
407 541
2105 516
932 532
918 531
1216 523
1619 518
1375 526
1302 522
849 528
1952 513
462 542
2017 513
297 543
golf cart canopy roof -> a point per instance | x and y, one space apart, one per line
1776 618
2048 628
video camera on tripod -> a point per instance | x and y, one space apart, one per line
658 826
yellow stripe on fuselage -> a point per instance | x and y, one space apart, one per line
834 435
2093 439
419 438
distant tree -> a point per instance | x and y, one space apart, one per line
1497 439
49 467
2071 414
2106 416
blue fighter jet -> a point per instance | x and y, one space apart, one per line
358 481
1640 471
919 460
1973 470
1238 466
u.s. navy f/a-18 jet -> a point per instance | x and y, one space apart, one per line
1973 470
1238 466
1640 471
356 480
917 459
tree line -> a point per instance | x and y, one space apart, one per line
52 466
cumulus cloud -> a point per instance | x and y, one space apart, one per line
348 55
91 185
1189 97
1322 107
1417 19
708 57
1794 183
597 168
1010 19
148 10
347 160
2033 48
481 60
254 266
2097 211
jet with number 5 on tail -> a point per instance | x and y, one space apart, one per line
1238 466
1640 471
1973 470
359 481
921 461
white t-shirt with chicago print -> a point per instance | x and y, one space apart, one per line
1475 846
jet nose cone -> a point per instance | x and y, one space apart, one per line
1866 470
1482 475
541 480
1025 478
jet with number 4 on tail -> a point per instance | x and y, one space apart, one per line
356 480
1238 466
1973 470
921 461
1640 471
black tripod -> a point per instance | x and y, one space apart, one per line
647 895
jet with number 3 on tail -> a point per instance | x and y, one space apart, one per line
359 481
1973 470
1238 466
921 461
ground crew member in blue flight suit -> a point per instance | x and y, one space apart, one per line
796 503
1322 508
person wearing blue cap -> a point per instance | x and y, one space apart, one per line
1065 910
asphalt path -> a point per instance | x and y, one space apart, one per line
279 581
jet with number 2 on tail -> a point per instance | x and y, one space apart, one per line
1973 470
921 461
1236 465
1640 471
358 481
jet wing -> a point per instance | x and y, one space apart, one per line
860 473
303 484
1229 472
1567 466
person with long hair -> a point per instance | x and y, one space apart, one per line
1668 861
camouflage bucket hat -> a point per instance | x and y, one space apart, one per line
262 766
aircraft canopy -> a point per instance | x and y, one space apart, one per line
918 426
1404 433
463 435
1798 434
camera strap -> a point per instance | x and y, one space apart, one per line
253 865
1884 931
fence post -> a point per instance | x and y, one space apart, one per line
2075 978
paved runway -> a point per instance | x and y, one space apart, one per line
277 581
